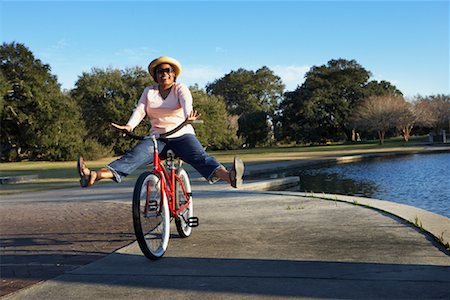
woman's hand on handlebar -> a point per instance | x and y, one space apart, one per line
122 127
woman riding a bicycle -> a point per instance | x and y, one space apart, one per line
167 104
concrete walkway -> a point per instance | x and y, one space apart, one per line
263 245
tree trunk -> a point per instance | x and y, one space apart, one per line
381 136
406 132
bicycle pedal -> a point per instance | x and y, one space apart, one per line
192 222
152 205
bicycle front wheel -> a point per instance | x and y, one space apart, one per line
181 198
151 217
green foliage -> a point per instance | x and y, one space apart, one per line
382 88
38 121
251 94
248 91
216 132
4 87
254 128
107 96
93 150
320 109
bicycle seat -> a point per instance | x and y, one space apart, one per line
171 157
171 154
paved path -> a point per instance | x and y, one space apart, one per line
41 240
253 245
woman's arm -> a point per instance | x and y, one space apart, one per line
138 113
122 127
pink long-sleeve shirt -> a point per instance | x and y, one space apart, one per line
164 114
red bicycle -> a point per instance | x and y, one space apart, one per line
160 195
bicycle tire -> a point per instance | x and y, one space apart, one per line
152 229
183 228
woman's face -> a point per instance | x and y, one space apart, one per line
165 74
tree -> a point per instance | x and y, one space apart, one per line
247 92
407 119
107 96
4 89
254 128
320 108
217 131
381 113
433 111
382 88
38 120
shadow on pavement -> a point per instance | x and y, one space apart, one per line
187 276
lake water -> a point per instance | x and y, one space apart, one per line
421 180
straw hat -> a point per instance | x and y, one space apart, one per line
164 60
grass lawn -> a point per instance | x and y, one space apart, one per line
53 175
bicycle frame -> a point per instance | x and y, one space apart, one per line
167 182
153 213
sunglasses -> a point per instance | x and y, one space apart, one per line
166 70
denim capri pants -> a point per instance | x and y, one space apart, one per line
187 147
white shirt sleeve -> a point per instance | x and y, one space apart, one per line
139 112
185 98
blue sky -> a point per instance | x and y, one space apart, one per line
403 42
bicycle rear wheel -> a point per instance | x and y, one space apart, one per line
151 217
182 220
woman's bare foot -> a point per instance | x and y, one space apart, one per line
84 173
234 176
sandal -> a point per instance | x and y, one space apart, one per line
84 179
236 173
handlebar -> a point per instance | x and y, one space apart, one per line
163 135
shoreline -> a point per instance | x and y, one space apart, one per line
341 158
297 168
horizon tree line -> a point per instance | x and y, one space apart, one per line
244 108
